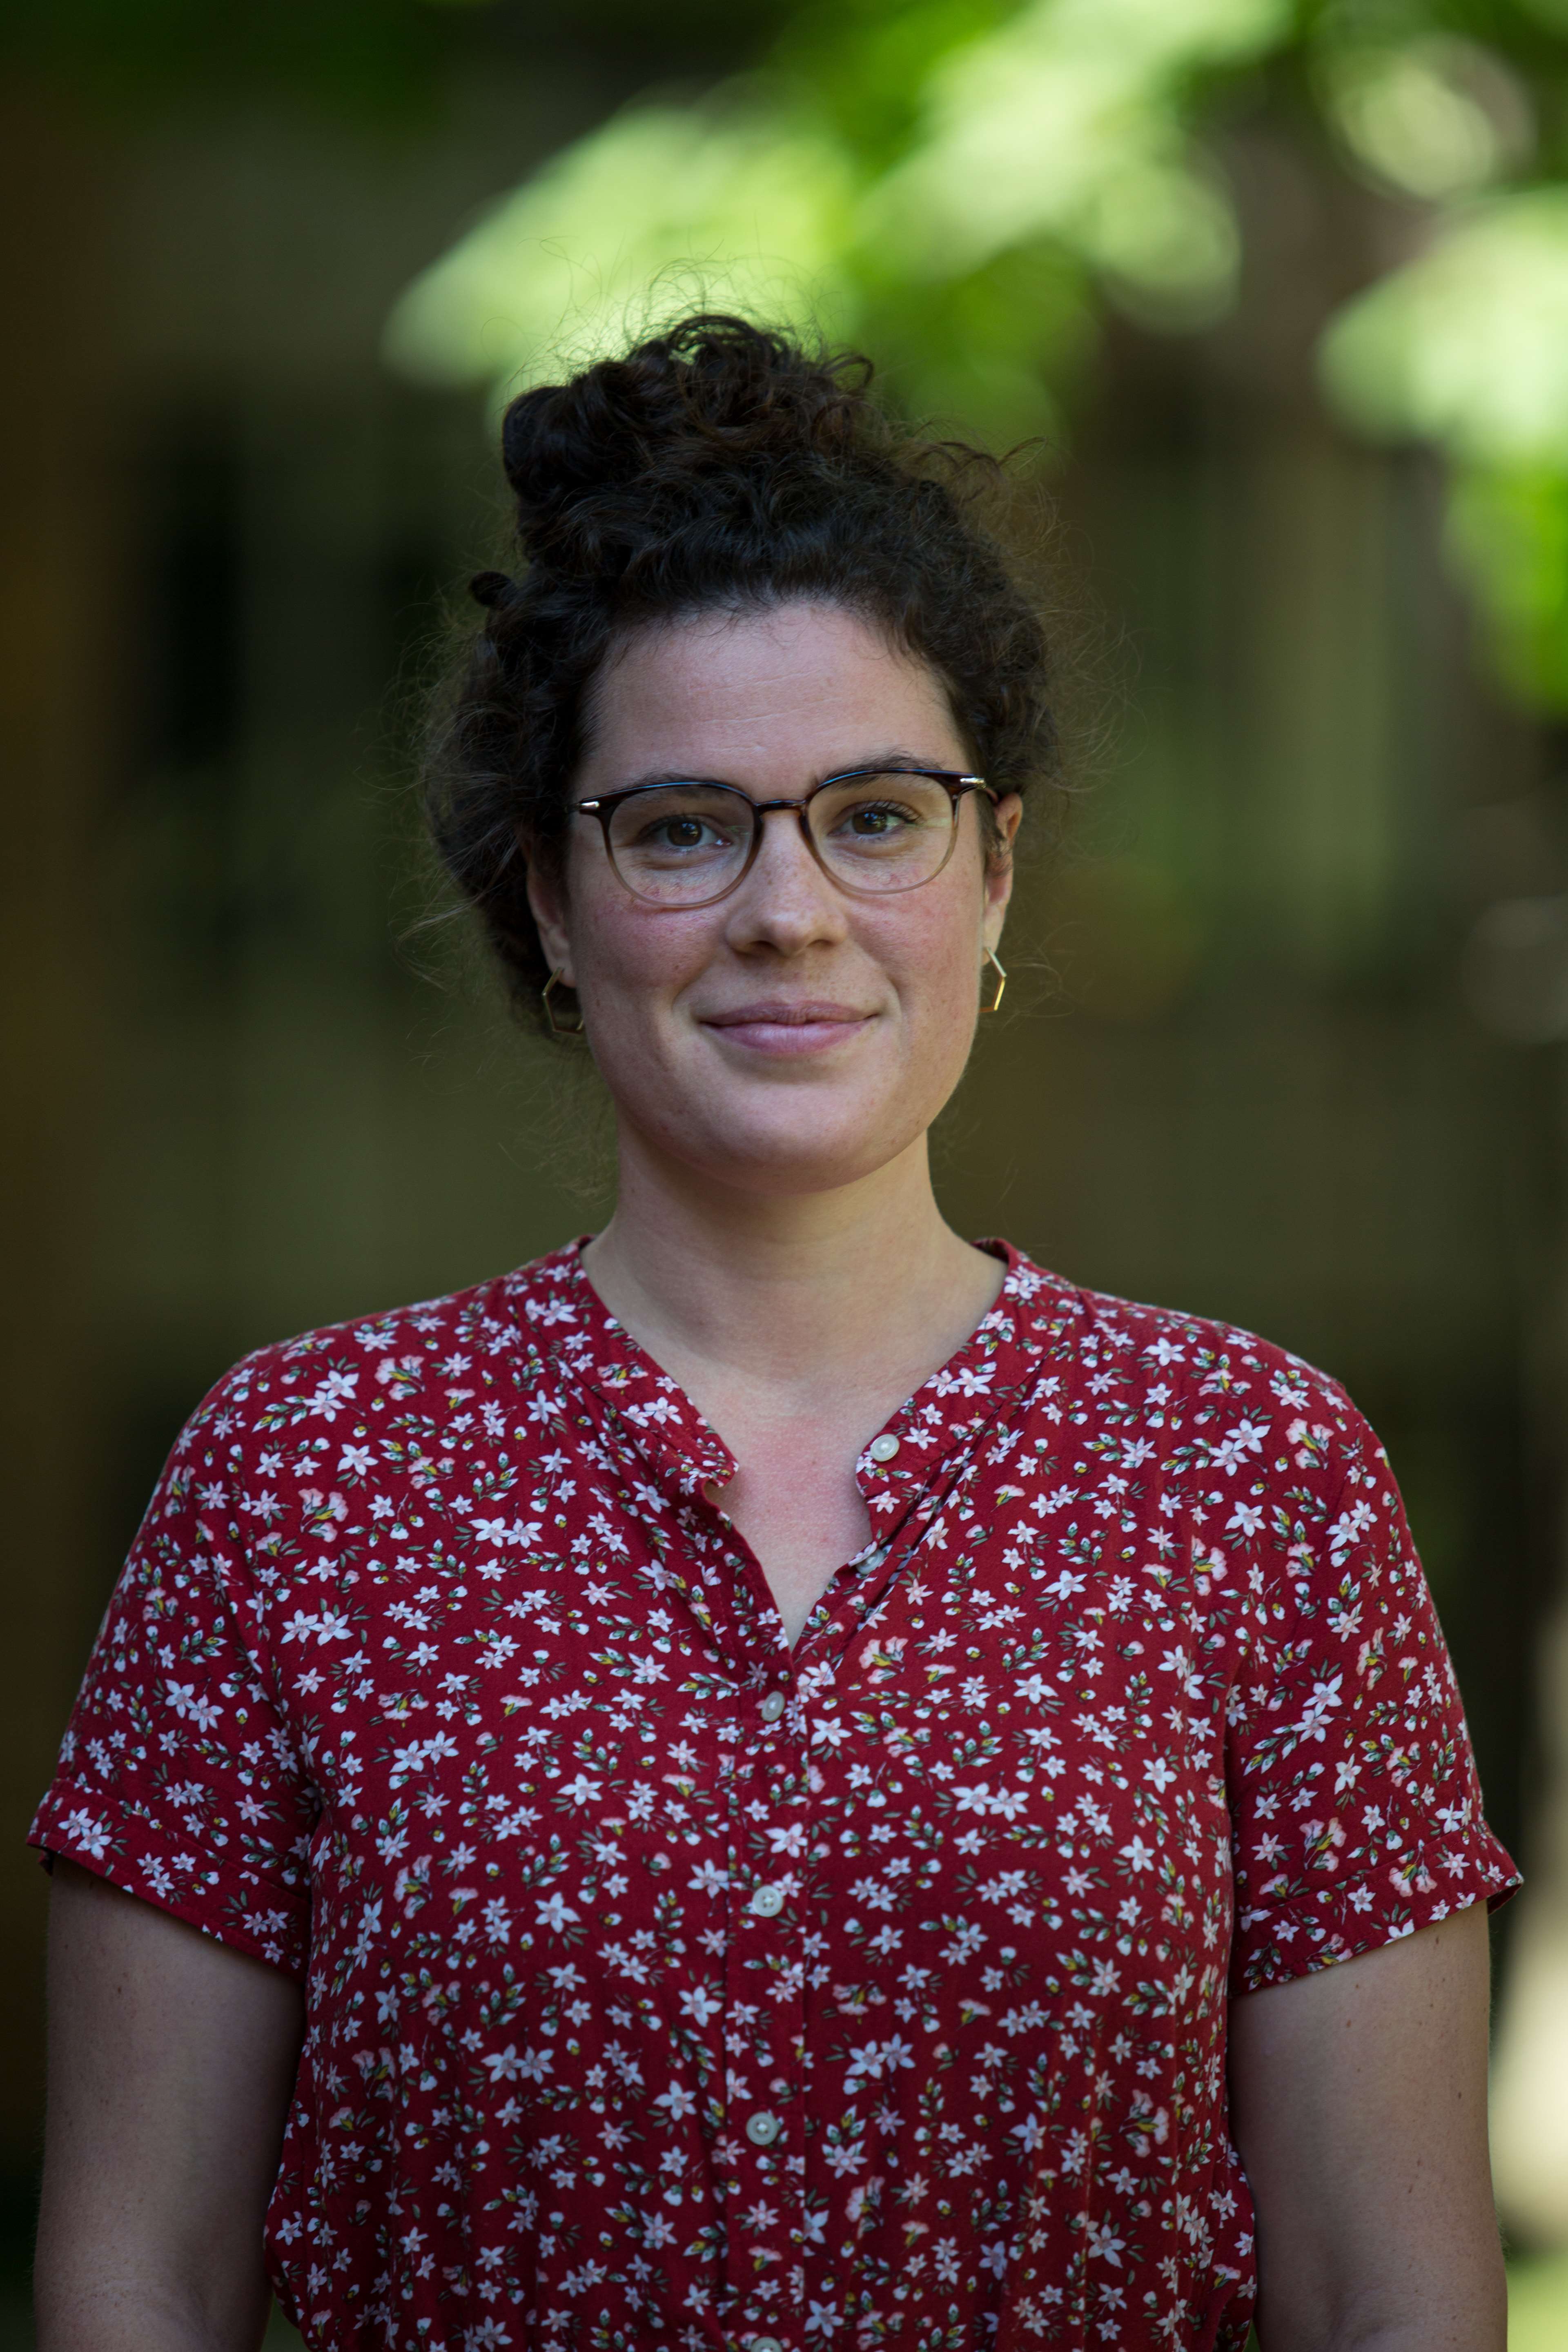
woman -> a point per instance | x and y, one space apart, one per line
776 1778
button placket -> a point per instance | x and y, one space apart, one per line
766 2161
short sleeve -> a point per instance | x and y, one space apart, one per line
178 1779
1355 1808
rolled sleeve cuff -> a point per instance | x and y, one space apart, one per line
250 1911
1311 1928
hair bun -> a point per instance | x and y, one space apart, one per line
713 394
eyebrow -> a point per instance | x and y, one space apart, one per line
884 761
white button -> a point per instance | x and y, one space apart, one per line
764 2129
882 1449
766 2343
772 1706
767 1902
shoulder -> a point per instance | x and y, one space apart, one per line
435 1355
1236 1399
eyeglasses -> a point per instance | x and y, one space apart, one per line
873 831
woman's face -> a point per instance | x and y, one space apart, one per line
789 1038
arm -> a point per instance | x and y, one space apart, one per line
1359 2105
171 2062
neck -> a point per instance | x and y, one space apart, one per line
784 1291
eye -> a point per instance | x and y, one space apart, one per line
883 816
680 832
679 827
872 820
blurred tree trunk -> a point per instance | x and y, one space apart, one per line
59 602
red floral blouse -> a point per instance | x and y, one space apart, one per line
671 1991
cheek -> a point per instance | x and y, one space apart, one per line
630 958
929 951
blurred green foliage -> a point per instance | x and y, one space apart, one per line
946 180
967 184
1538 2291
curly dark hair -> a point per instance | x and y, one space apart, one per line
717 466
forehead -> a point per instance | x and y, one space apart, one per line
793 689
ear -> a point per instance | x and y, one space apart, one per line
999 869
547 902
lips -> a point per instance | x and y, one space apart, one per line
783 1013
787 1026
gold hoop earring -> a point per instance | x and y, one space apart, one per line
993 959
559 1028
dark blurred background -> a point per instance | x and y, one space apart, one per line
1290 328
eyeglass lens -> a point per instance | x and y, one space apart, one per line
684 844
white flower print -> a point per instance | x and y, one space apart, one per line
641 2005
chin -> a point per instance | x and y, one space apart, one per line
783 1155
793 1128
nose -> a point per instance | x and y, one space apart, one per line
786 901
